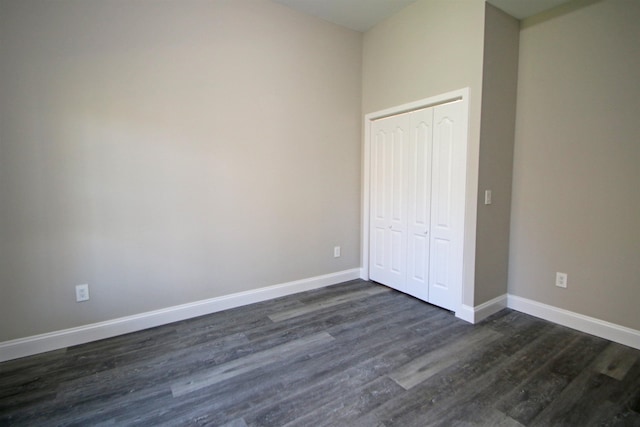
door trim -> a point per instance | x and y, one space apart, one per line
456 95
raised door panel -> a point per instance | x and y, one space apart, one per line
419 203
388 201
447 207
378 203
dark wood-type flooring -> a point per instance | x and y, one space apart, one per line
354 354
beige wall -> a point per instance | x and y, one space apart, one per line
576 197
498 117
421 52
170 151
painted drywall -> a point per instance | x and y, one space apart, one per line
166 152
497 127
421 52
576 193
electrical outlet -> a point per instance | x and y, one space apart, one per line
336 251
561 280
82 293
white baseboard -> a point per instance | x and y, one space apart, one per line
590 325
466 313
60 339
482 311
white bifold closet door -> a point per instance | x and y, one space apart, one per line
415 235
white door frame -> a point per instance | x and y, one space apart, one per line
461 94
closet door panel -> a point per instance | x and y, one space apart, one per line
445 272
389 201
378 253
419 202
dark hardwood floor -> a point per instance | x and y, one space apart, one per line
354 354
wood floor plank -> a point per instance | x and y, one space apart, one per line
237 317
334 290
610 414
431 400
587 395
236 423
343 380
246 364
472 402
304 377
616 361
356 402
424 367
628 394
473 412
326 303
148 372
550 381
342 316
33 365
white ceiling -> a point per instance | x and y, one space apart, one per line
525 8
360 15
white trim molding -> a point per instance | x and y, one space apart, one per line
29 346
466 313
482 311
590 325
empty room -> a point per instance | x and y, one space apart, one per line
320 212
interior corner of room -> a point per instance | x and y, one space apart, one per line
194 156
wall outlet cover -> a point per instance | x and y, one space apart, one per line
561 280
82 293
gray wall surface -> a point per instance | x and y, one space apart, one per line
497 127
166 152
576 186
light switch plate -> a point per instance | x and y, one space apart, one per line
487 197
